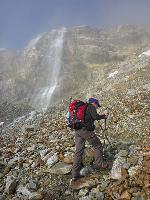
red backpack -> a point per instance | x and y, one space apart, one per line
76 114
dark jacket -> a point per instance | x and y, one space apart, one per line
90 116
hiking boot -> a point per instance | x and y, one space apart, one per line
76 177
103 166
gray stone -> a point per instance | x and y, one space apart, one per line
32 186
122 153
15 198
103 185
83 192
85 198
28 128
60 168
131 92
116 168
52 160
147 86
35 196
13 161
1 175
10 186
67 192
2 197
132 170
100 196
43 153
86 171
23 191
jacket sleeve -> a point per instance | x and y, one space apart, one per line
95 115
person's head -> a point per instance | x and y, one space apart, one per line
94 102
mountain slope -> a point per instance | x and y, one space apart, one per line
63 62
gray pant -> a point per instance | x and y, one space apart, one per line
80 137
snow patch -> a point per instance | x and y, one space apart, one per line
1 124
145 53
112 74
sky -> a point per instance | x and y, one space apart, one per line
22 20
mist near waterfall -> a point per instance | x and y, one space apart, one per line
54 60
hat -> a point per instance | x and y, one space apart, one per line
93 100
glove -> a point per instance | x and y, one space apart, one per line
106 113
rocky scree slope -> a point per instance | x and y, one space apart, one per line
37 154
35 163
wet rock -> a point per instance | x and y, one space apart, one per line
60 168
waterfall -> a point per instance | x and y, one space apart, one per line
54 59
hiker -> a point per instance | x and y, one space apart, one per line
86 133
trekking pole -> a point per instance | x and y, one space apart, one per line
104 131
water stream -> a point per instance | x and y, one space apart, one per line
54 60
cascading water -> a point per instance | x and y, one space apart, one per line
54 59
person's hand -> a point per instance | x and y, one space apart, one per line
106 113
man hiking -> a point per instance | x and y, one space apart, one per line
86 133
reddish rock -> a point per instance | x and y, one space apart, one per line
147 157
147 181
124 172
125 195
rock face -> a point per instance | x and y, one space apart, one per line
77 53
